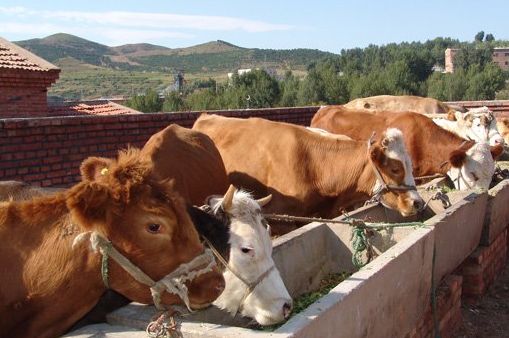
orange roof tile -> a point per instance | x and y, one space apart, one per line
15 57
90 108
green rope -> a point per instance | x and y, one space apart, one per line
360 242
104 265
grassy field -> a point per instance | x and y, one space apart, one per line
84 81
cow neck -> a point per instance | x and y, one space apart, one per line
69 277
430 160
352 173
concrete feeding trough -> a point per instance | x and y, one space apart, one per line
387 297
497 217
458 227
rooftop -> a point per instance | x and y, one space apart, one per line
90 108
14 57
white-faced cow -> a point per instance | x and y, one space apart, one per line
308 173
432 149
478 125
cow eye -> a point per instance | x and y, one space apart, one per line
245 249
395 170
474 176
153 228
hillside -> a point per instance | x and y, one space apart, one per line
211 56
83 62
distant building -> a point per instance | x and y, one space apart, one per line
450 53
271 71
24 82
500 57
240 72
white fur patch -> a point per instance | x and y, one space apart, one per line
477 171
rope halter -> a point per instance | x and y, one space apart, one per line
384 187
251 286
174 282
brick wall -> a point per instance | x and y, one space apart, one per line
48 151
482 267
24 93
448 307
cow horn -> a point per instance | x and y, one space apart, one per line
228 198
264 200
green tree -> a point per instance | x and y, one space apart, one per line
202 99
471 55
479 36
312 89
489 37
484 83
289 90
147 103
174 102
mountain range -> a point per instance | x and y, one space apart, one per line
212 56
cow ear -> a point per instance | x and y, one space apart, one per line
377 155
496 151
88 202
93 168
457 158
451 115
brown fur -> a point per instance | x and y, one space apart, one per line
306 173
503 128
429 145
189 157
417 104
46 285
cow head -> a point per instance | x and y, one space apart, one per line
479 125
253 286
145 220
390 158
472 165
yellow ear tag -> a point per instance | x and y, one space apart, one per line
104 171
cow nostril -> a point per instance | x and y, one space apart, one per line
287 310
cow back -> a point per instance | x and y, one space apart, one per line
189 157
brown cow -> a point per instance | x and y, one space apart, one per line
417 104
306 172
50 277
189 157
432 149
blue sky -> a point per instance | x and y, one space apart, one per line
326 25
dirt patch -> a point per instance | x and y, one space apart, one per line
490 316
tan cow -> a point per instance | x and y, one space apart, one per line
432 149
50 271
417 104
308 173
189 157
